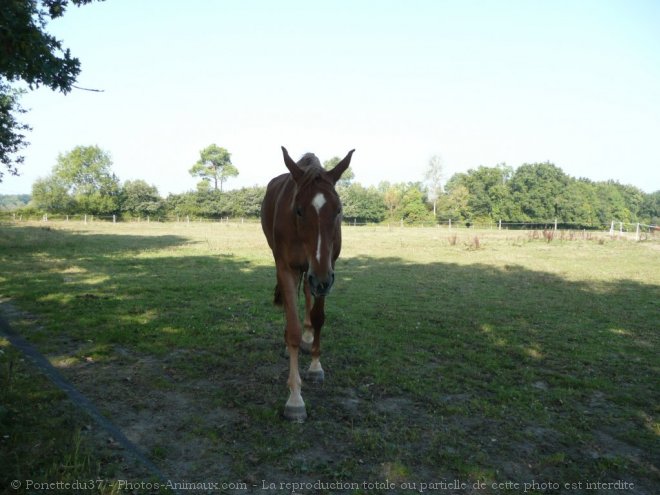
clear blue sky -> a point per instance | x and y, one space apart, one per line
576 83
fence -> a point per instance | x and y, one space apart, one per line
622 227
88 218
641 230
616 228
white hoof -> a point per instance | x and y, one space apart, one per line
316 377
296 414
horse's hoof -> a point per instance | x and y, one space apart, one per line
316 377
297 414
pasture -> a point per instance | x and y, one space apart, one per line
484 358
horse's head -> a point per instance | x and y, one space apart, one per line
317 211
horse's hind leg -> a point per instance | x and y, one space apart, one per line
315 372
308 335
277 296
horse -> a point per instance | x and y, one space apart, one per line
301 217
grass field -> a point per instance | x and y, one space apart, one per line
475 357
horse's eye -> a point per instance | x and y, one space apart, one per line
339 212
299 211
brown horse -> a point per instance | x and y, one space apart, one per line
301 218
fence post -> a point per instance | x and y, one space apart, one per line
499 226
114 218
555 225
637 232
450 224
85 218
620 229
612 229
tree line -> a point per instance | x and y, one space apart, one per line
82 182
542 192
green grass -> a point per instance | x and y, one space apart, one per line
507 359
44 438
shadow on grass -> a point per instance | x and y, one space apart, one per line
433 371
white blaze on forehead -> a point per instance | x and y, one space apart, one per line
318 202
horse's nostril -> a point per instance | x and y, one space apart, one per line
320 287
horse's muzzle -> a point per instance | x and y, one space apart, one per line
320 287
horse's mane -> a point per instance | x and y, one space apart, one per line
309 159
311 166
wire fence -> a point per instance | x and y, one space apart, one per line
89 218
615 228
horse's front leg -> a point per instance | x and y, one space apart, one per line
315 373
308 330
294 409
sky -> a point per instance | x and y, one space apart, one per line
576 83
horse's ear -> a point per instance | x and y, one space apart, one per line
295 170
340 168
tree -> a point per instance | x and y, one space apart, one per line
650 208
537 188
413 204
578 202
246 202
488 192
12 137
214 164
454 204
52 195
182 204
139 198
362 204
391 197
433 177
84 176
203 186
29 54
613 204
9 202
